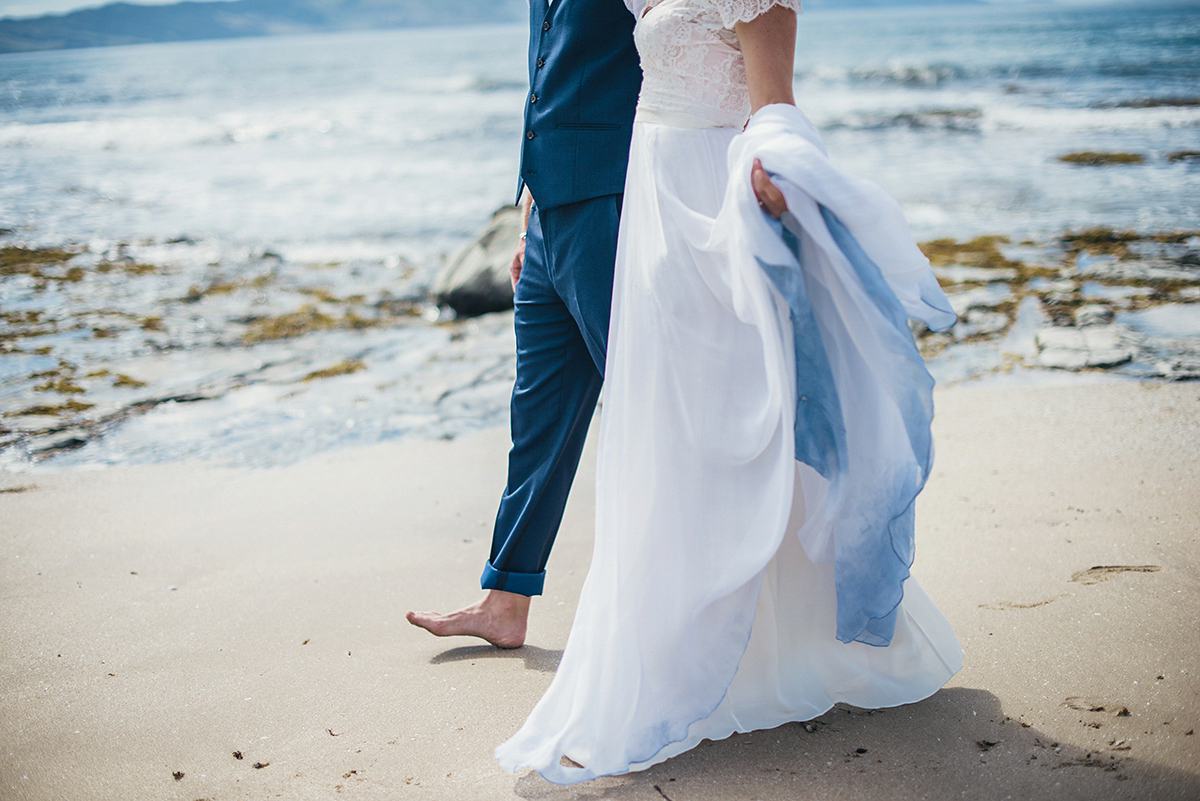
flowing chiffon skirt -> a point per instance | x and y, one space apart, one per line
705 611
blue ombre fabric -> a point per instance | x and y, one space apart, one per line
821 436
819 430
844 263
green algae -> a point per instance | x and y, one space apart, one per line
345 367
1104 241
138 268
1155 102
321 294
309 318
982 251
287 326
1100 241
123 380
196 293
220 286
22 317
30 261
64 366
71 407
62 385
1095 158
130 267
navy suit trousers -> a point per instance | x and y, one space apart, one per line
562 304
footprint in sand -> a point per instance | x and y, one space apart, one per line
1093 705
1099 573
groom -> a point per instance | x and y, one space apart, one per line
584 80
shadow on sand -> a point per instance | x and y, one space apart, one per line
957 744
543 660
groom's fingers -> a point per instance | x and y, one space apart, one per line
514 268
769 197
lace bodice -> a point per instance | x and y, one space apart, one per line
691 63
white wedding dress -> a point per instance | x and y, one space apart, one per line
749 569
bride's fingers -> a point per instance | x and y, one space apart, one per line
769 197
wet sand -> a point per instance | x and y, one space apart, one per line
160 622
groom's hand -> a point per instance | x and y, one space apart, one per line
518 261
770 199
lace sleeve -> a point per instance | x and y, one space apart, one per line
735 11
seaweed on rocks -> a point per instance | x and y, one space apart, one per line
123 380
32 261
982 251
1087 284
146 327
1153 102
341 368
979 260
285 326
1166 263
1100 240
1093 158
71 407
62 385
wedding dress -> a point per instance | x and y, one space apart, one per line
764 433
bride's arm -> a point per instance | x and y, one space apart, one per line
768 45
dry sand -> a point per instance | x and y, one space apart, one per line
160 621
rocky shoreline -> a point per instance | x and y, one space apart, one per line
1096 299
95 336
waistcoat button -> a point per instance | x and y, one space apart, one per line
541 62
533 98
530 135
546 25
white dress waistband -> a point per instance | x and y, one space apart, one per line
677 119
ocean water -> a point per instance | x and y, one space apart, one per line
408 139
334 173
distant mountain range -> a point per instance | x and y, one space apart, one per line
126 23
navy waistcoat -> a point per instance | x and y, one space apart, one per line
584 80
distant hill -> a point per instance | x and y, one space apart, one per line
126 23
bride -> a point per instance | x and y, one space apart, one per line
765 428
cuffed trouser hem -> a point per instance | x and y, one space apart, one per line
519 583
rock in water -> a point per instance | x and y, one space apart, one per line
1077 348
1093 314
476 280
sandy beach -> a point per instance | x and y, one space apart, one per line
189 632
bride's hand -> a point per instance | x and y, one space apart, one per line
770 199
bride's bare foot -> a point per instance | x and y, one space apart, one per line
499 618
